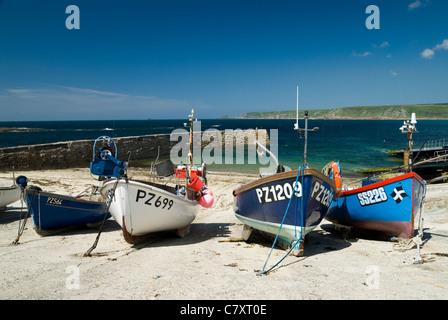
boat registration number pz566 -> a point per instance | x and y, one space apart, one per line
54 201
279 192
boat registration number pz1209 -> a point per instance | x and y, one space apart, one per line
279 192
373 196
322 194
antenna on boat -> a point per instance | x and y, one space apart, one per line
190 153
409 129
296 125
301 131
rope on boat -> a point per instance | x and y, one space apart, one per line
22 224
417 240
300 171
88 252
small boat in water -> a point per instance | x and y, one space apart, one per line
285 204
388 206
143 208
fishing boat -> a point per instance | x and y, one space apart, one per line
53 212
13 193
9 195
143 208
285 204
386 206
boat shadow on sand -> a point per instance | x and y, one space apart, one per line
199 232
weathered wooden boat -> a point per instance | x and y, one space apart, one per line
288 204
143 208
388 207
54 212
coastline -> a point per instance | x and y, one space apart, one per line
209 264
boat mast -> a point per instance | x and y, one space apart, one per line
409 129
190 153
300 131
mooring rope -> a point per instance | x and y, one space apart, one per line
88 252
22 224
300 171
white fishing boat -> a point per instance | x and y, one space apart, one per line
142 208
11 194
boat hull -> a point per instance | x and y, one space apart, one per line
387 206
9 195
52 212
143 208
262 204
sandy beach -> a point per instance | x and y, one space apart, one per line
207 263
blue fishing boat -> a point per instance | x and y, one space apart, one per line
53 212
286 204
386 206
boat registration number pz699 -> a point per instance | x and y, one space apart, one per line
151 199
279 192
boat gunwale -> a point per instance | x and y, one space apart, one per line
383 183
165 189
62 196
282 176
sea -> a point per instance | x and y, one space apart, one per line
356 144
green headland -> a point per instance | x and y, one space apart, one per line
422 111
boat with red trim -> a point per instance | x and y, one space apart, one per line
386 206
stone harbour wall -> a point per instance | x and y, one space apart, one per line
78 153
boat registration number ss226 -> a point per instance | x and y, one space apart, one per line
373 196
279 192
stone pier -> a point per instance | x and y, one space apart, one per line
78 153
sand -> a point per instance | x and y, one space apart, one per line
207 264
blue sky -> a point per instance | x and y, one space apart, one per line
141 59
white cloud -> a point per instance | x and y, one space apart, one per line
59 103
414 5
393 73
442 46
365 54
429 53
382 45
